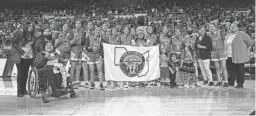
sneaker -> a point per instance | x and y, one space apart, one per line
110 86
20 95
116 85
125 85
225 84
148 85
211 83
198 85
92 86
75 85
86 85
133 84
205 82
154 83
142 84
101 87
192 86
186 86
218 84
171 86
82 83
239 86
231 84
180 86
25 92
137 84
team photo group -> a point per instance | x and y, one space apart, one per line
71 53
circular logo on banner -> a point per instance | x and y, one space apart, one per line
132 63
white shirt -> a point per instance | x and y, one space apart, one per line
28 51
229 44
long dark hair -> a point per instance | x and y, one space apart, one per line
189 48
27 34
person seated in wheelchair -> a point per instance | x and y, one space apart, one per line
47 62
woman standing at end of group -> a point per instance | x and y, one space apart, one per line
236 45
23 52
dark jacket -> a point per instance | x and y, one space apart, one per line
17 42
204 53
39 45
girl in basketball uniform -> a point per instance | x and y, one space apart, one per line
165 39
177 41
165 42
85 58
76 52
115 40
218 55
152 41
151 38
62 44
125 39
95 51
105 34
141 41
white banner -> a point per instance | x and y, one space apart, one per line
129 63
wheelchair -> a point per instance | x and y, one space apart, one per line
39 86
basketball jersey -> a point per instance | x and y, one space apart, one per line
89 33
78 34
165 42
95 44
152 39
176 44
64 39
217 42
125 40
105 36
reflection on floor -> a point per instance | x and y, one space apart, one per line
138 102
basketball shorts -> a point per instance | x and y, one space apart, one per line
94 58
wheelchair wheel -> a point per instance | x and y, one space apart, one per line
33 82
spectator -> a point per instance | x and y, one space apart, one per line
219 54
203 55
23 54
237 44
